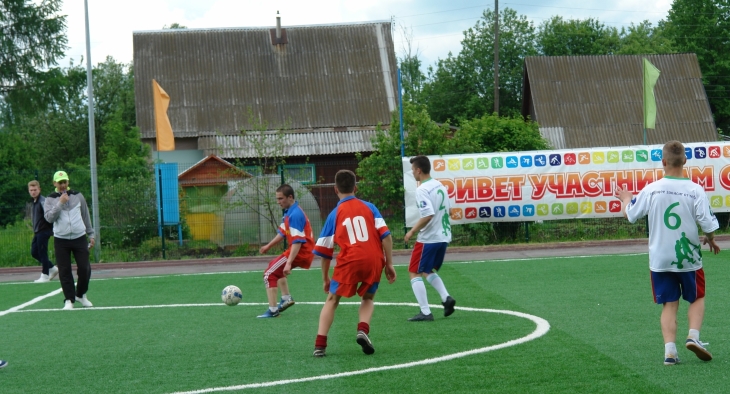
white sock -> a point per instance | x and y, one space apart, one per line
419 289
286 297
273 308
670 348
438 284
694 334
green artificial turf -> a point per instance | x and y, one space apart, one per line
604 334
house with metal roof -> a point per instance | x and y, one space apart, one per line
596 101
327 87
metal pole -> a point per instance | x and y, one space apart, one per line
496 57
162 213
400 122
92 141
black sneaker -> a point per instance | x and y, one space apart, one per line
448 306
364 341
319 352
421 317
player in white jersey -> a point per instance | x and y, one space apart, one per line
434 235
675 206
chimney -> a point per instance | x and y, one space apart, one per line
278 26
278 35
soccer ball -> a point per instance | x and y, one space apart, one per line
231 295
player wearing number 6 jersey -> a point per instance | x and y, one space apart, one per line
675 206
434 235
366 246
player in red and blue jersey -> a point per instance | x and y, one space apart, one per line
357 227
297 231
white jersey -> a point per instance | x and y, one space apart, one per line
674 206
433 200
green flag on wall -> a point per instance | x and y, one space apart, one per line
651 74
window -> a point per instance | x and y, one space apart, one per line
253 170
302 173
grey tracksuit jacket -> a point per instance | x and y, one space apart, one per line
70 220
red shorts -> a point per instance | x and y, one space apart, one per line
348 290
275 270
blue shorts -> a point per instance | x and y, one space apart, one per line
427 258
348 290
669 286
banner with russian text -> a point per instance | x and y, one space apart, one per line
562 184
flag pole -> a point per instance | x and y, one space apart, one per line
92 142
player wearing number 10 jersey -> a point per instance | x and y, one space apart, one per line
675 205
365 243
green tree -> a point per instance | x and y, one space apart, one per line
412 78
15 163
642 38
462 87
559 37
381 177
492 133
703 27
31 40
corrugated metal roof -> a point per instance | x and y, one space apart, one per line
597 100
255 144
218 79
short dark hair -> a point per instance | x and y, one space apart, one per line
345 181
286 190
673 153
422 163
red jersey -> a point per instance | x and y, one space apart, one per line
357 227
295 227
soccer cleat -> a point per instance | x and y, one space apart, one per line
3 363
42 279
284 305
85 302
696 346
448 306
52 273
319 352
68 305
421 317
364 341
671 359
268 314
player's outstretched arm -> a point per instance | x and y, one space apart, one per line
388 250
625 196
421 223
326 274
278 238
710 240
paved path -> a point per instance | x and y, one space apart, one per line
492 252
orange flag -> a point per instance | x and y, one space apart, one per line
163 129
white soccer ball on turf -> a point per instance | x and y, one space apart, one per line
231 295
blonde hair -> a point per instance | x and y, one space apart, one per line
673 154
34 183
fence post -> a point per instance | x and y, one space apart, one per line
527 231
162 214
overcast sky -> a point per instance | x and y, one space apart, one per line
437 25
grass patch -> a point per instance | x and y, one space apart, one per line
604 334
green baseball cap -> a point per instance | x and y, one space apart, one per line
60 176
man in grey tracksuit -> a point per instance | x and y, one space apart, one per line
68 212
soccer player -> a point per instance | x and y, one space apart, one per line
675 205
297 230
434 235
366 246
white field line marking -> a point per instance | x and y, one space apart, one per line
542 328
297 269
108 308
31 302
